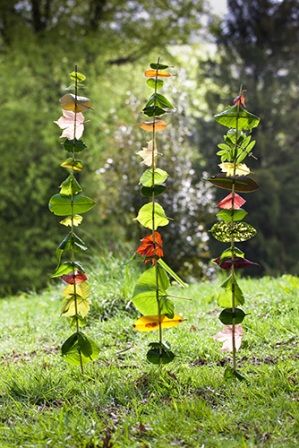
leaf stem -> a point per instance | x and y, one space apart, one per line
72 224
232 246
153 212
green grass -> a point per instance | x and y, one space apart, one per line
122 401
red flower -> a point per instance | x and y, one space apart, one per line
79 277
151 247
227 202
240 101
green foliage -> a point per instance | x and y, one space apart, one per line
78 349
150 293
231 229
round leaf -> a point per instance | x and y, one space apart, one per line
63 205
160 177
231 316
145 216
148 191
236 231
231 215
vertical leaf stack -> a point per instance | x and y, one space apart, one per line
150 296
231 228
71 204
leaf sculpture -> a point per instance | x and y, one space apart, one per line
231 228
70 204
150 295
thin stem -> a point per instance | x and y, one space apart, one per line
153 212
232 238
72 223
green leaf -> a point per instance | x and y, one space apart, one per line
77 346
70 186
230 374
155 85
231 215
66 268
72 165
160 177
228 253
159 100
144 295
243 184
152 111
230 316
234 117
144 216
225 295
243 153
171 273
235 231
148 191
74 145
77 76
63 205
63 269
157 66
159 353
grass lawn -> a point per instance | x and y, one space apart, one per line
122 401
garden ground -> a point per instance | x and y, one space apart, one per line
123 402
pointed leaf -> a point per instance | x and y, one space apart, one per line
235 117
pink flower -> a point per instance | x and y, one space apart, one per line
226 337
67 123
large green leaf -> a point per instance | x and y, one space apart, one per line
234 117
62 205
145 216
144 295
77 346
70 186
243 184
225 295
159 353
230 316
231 215
235 231
160 177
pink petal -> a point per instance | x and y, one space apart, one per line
227 202
226 337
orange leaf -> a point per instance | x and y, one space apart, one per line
150 323
157 73
148 126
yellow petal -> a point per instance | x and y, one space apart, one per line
77 219
150 323
160 125
157 73
79 104
82 290
69 307
228 168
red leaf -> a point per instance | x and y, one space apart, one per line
240 101
79 277
227 202
237 262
